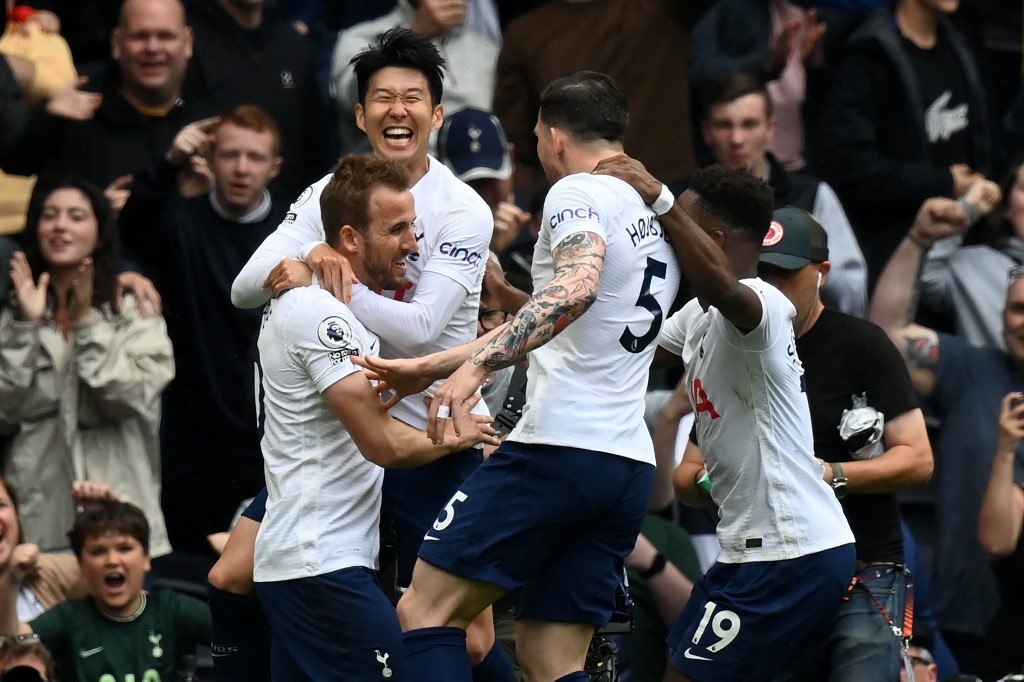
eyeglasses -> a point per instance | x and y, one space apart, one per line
490 319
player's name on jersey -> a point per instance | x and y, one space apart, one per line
645 228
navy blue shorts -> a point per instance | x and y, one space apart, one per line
555 521
413 497
745 621
336 626
257 509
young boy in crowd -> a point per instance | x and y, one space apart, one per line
119 629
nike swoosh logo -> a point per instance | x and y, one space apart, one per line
431 537
86 653
695 657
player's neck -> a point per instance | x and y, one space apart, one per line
585 158
918 24
417 168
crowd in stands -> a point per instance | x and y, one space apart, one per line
149 147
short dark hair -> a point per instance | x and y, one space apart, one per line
346 196
402 48
729 88
109 516
736 197
589 105
13 647
252 117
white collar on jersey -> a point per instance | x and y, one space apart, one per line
253 216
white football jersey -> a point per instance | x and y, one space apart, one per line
754 429
453 230
323 503
586 386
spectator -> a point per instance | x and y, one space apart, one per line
246 53
999 530
628 40
925 669
120 630
25 658
80 375
472 144
773 41
964 386
909 122
967 283
192 247
470 59
143 106
738 125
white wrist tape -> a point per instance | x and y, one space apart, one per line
663 204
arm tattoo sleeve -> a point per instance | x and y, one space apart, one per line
578 262
923 351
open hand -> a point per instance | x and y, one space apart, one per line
632 172
195 138
73 103
118 192
144 291
333 272
288 274
31 294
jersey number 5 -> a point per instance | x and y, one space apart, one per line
630 341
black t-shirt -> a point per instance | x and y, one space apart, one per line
945 97
848 360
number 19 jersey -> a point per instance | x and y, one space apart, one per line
586 386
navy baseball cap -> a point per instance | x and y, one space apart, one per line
794 239
472 143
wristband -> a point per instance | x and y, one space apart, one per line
306 248
917 240
657 566
974 213
703 483
663 204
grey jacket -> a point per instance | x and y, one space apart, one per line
84 408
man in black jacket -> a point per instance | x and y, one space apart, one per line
906 120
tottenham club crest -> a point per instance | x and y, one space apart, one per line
154 639
334 333
383 660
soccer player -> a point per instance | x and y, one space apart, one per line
326 437
559 505
787 551
400 84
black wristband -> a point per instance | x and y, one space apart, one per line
657 566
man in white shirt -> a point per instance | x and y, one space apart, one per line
559 505
787 551
399 83
326 437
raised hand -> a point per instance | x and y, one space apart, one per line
196 178
118 192
73 103
509 221
983 195
31 295
81 294
937 219
632 172
195 138
87 492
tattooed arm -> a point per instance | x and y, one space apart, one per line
894 304
578 260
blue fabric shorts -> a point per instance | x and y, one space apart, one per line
555 521
257 509
335 626
414 496
745 621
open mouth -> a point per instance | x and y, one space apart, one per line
115 580
398 135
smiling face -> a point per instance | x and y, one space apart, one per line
389 238
399 115
739 132
68 229
114 566
244 162
152 46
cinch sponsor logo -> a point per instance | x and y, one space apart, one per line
569 213
459 252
